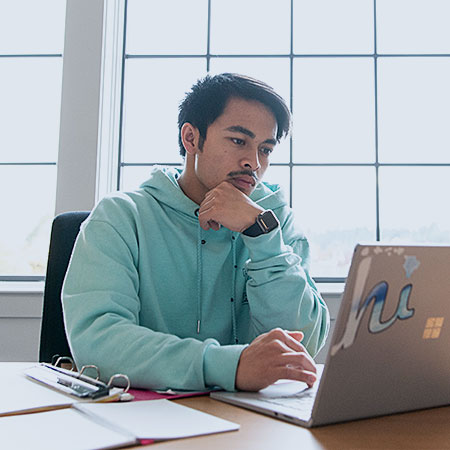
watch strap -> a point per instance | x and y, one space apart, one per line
265 223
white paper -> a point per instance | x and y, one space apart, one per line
158 419
21 394
66 429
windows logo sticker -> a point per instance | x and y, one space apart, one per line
433 328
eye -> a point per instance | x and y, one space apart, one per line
266 151
238 141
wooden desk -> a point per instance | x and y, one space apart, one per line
428 429
421 430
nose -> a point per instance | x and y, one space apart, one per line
251 161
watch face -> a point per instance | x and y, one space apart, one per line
265 222
268 221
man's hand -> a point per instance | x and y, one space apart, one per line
272 356
226 205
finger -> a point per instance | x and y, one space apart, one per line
214 225
293 373
299 360
282 355
204 218
295 343
286 337
297 335
206 203
206 209
279 347
206 222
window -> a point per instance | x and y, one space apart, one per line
367 82
31 44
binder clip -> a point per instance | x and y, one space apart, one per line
77 383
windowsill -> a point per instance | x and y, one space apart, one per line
22 287
331 289
37 287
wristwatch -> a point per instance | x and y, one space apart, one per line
265 223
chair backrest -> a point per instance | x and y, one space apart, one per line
65 229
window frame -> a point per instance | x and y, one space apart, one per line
94 64
26 278
375 56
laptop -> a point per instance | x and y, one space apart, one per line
390 350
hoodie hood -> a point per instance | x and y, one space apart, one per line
163 185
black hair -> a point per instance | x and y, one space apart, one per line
207 99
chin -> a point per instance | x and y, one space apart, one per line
247 191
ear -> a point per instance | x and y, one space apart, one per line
190 137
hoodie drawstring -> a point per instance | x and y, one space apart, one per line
199 277
200 243
233 288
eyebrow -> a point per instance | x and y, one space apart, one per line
247 132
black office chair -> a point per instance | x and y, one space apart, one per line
65 229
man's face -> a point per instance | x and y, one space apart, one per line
237 146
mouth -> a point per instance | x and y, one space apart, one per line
243 182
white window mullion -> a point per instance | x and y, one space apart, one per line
110 100
80 104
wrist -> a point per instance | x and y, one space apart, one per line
220 365
265 222
252 218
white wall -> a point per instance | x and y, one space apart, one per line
20 322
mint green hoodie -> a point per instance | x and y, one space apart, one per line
151 294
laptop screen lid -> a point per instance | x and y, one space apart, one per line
389 352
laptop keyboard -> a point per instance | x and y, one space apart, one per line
301 402
287 400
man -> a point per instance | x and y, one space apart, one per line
171 283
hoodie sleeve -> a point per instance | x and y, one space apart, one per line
279 289
102 309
